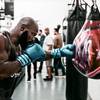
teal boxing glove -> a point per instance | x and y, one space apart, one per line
32 53
66 51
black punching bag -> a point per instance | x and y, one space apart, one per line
76 84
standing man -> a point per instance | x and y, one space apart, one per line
10 63
58 42
48 46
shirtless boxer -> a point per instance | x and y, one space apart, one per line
11 63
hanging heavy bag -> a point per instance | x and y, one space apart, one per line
87 57
76 84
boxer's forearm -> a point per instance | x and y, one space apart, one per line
9 68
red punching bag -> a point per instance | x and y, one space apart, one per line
87 55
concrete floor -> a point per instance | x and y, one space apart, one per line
40 90
55 90
94 89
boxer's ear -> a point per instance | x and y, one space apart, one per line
23 27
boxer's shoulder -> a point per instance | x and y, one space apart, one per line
4 43
2 39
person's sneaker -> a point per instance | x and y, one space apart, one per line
9 99
56 74
48 78
29 78
34 75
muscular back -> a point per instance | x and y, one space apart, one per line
58 41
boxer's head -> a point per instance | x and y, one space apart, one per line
26 29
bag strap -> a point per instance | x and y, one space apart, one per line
94 13
94 4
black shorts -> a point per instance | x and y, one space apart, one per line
7 87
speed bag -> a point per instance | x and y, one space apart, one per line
87 42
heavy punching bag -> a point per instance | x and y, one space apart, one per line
76 84
87 56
